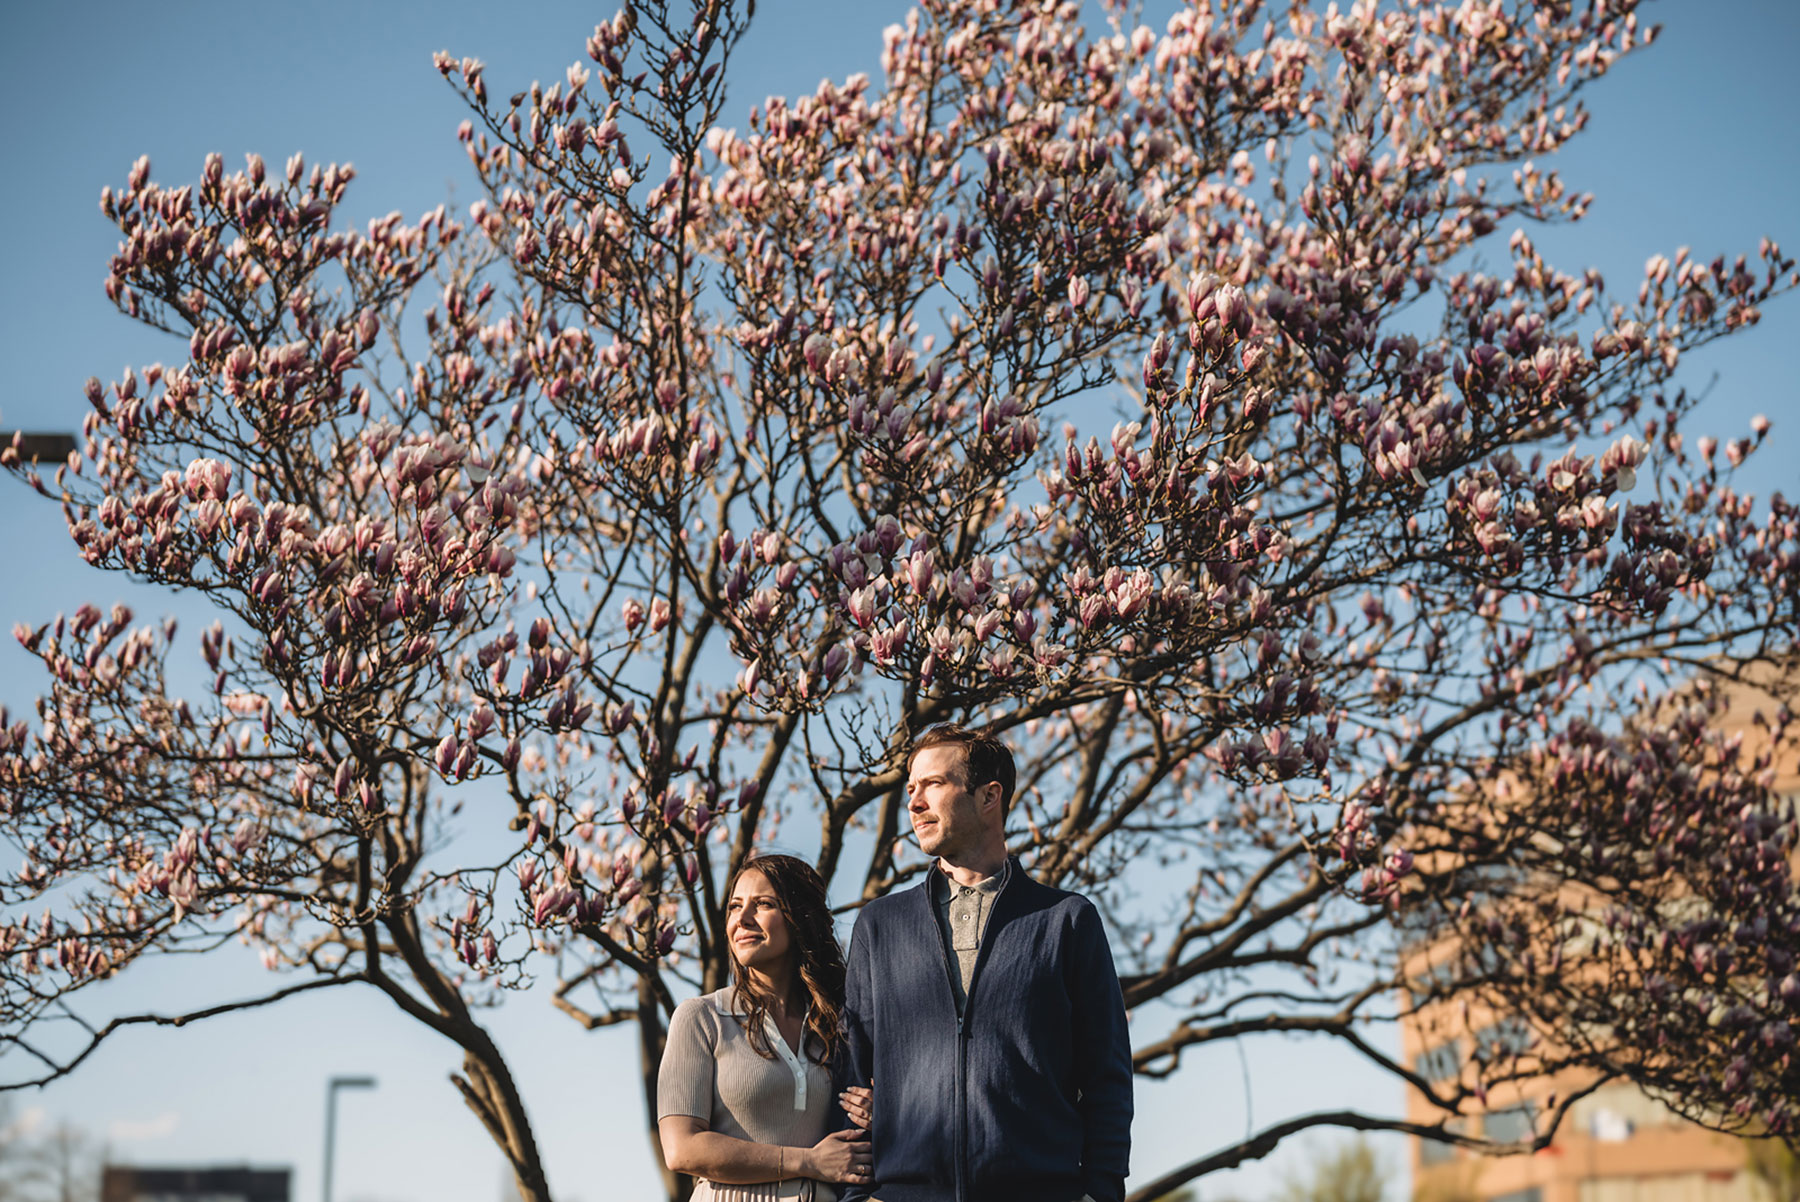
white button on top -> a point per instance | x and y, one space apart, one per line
796 1064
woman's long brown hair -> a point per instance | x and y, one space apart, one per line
800 893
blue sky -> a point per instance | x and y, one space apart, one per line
1691 143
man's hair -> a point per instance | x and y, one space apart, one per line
985 759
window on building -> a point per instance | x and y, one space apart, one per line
1533 1194
1452 968
1479 961
1503 1039
1431 1152
1419 917
1440 1063
1511 1125
1619 1107
1436 975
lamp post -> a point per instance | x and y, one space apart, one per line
331 1092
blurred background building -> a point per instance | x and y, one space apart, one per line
1616 1144
219 1183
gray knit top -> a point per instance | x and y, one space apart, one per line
712 1073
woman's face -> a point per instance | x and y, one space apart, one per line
754 924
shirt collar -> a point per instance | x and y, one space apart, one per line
730 1003
941 882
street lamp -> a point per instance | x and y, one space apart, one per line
331 1092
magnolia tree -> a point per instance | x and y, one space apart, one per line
654 503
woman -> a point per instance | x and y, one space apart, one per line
744 1094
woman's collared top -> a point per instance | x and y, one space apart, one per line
711 1072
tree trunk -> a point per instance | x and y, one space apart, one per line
652 1037
488 1088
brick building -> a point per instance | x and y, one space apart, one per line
1616 1144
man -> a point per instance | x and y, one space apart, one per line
985 1006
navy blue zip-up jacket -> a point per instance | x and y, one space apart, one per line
1028 1097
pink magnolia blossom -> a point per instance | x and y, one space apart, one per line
1331 597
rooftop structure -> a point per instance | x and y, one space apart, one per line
214 1183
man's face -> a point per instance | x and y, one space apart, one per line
949 818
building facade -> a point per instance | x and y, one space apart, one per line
218 1183
1616 1144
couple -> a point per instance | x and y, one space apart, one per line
981 1007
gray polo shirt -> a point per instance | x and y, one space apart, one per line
962 914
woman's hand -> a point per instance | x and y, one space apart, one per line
858 1102
842 1157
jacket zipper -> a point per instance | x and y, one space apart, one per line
962 1110
962 1033
957 1150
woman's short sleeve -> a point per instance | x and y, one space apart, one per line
684 1083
